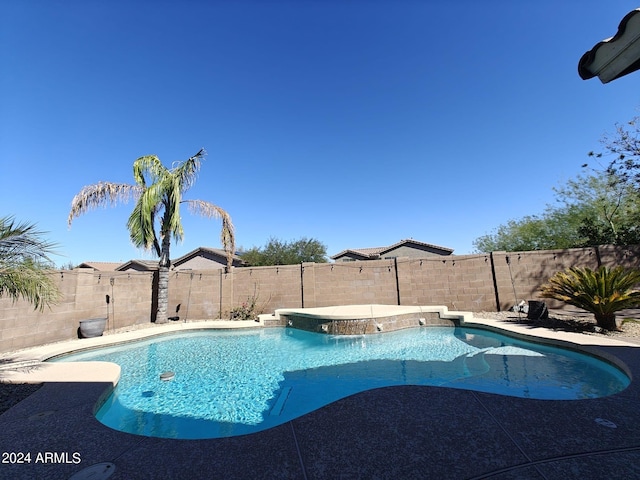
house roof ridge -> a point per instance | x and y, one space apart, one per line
94 265
418 242
374 251
217 251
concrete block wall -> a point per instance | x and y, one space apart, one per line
352 283
612 255
83 296
22 326
197 293
519 275
461 282
489 282
308 290
206 294
130 298
478 282
274 287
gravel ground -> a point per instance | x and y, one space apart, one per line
568 321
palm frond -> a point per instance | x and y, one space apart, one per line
31 282
187 172
601 292
209 210
141 222
24 264
101 194
172 221
150 165
23 240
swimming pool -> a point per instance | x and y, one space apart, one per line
230 382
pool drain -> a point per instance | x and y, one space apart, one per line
166 376
99 471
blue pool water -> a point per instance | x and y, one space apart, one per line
230 382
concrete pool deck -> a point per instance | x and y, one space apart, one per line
394 432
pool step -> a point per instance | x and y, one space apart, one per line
282 399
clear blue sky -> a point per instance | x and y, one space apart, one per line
358 123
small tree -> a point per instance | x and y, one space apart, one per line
25 264
608 207
278 252
552 230
593 209
624 150
602 292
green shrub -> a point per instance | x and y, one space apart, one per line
246 311
602 292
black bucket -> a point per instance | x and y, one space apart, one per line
537 310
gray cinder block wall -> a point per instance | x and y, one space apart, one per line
482 282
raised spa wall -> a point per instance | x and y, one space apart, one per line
359 326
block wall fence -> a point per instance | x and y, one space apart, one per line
480 282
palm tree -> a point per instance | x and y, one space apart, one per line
25 264
158 192
602 292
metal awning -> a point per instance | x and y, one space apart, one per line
616 56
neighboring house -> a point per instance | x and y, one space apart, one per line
204 258
404 248
100 266
139 266
201 258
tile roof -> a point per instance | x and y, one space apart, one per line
215 251
375 252
416 242
146 264
153 264
100 266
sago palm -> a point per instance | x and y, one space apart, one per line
158 193
25 264
602 292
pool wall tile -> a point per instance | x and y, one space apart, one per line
360 326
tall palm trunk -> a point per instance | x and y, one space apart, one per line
163 281
162 197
